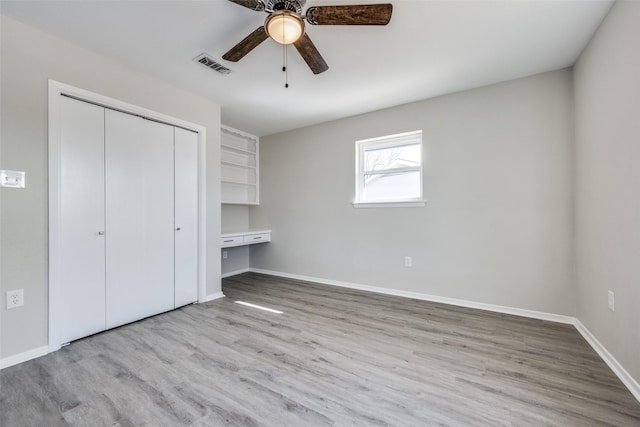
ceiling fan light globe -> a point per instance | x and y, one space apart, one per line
284 26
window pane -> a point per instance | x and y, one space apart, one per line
402 156
391 186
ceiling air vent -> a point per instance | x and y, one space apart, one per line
211 63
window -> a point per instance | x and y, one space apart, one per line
389 171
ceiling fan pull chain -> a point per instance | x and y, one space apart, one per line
284 65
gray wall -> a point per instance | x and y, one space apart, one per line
498 179
29 58
607 127
235 218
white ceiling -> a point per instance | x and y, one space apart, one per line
428 49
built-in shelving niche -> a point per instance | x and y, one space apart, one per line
240 177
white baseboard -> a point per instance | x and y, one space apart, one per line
426 297
211 297
233 273
24 356
616 367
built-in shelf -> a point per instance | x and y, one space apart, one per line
240 181
240 150
238 165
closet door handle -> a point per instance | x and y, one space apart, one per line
178 229
100 233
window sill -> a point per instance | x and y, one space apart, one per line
411 204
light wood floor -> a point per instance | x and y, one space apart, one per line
333 357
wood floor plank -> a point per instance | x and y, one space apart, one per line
334 357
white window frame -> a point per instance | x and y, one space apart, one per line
388 141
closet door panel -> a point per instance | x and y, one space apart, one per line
80 300
186 217
139 218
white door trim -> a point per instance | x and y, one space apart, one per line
56 89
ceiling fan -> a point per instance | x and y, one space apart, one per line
285 25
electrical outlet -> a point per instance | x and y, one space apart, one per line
225 254
408 261
15 298
611 301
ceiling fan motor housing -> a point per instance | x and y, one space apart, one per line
291 5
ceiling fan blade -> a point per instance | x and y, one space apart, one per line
257 5
363 14
311 55
247 44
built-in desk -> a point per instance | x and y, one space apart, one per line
242 238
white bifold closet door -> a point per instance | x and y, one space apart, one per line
186 217
127 220
79 308
139 218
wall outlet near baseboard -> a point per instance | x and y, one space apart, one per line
611 302
15 298
408 261
225 254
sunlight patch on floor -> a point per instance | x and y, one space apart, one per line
270 310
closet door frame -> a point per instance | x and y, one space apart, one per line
56 91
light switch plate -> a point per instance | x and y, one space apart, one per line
11 179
